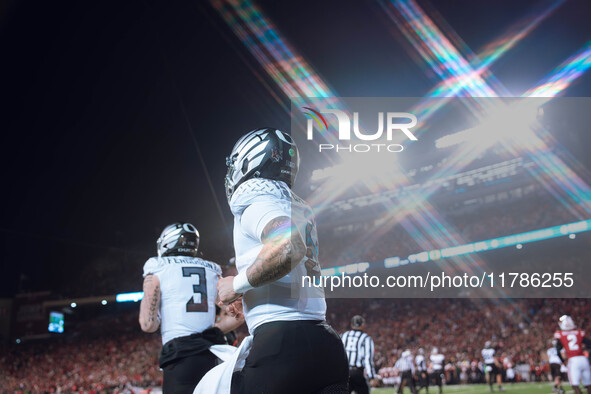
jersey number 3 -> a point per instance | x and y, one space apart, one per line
200 289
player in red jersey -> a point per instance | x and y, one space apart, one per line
571 340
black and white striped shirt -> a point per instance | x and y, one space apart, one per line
359 348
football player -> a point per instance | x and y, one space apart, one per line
555 363
293 350
421 365
572 340
179 297
406 368
437 360
492 366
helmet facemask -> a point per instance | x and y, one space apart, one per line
263 153
178 239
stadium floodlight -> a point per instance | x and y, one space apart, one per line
129 297
73 305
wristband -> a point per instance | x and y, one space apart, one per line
241 284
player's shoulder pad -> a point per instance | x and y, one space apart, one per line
154 265
215 267
258 190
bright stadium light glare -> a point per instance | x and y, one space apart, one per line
510 123
73 305
371 169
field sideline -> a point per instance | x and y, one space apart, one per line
521 388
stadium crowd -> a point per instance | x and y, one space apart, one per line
520 330
382 238
112 354
109 354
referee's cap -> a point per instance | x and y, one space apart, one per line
357 321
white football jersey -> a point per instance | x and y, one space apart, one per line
187 294
420 362
553 356
254 204
488 354
437 360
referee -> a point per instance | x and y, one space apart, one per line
405 367
359 348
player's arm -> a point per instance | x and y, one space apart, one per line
150 305
558 346
368 359
282 246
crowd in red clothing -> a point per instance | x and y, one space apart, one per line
107 355
521 329
112 354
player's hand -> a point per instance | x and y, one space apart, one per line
235 309
226 292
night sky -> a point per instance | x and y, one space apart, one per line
107 107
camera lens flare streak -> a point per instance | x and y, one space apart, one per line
458 75
461 73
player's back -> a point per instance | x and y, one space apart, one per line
253 203
188 292
420 361
437 360
488 354
572 341
553 356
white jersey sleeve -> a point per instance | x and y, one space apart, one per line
187 294
254 204
154 266
257 215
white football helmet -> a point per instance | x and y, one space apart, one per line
566 323
434 350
